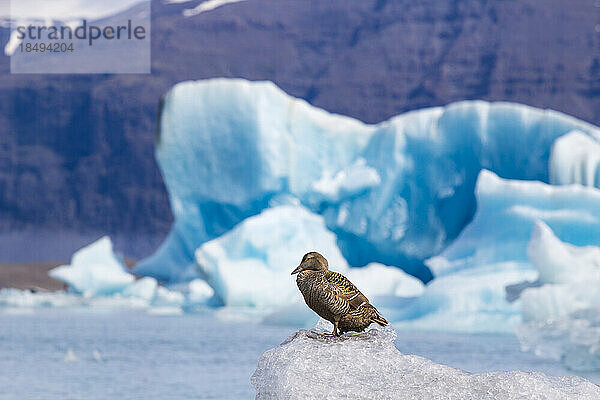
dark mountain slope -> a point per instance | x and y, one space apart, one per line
76 152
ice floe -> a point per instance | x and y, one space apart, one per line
95 270
368 366
562 316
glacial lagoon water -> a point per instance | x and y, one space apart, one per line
80 354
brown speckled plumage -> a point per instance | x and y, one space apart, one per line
334 297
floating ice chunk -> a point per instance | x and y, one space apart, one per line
166 297
98 291
101 277
13 42
144 289
97 356
574 339
559 262
15 298
562 317
114 301
165 311
575 158
467 301
148 289
378 282
506 214
368 366
94 270
25 299
70 356
551 302
378 279
571 276
134 296
491 254
251 265
355 179
199 292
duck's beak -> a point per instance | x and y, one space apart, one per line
298 269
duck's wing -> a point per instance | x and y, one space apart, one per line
344 291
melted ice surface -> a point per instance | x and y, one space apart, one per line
368 365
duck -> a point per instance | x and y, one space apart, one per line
333 297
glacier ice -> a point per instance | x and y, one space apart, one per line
97 277
349 182
199 292
256 178
95 270
467 301
368 366
575 158
507 211
386 287
144 289
469 292
397 192
168 298
559 262
24 300
562 317
250 265
240 139
381 280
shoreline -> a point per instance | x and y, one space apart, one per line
34 275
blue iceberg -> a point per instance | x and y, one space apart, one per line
98 277
95 270
480 276
507 211
396 193
250 265
575 158
561 318
256 178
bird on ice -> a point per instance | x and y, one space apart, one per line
334 297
